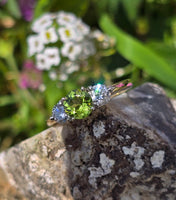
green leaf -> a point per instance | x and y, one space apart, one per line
41 7
6 100
166 51
140 55
131 8
13 8
52 93
6 48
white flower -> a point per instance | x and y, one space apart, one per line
71 50
98 35
42 62
70 67
105 40
52 55
67 68
63 77
42 88
49 35
53 75
82 27
35 45
82 30
64 18
88 49
67 34
42 23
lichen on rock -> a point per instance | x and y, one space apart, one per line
120 152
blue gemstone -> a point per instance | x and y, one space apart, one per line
59 114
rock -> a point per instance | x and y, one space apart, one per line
125 150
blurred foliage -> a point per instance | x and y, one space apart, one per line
136 52
78 7
145 32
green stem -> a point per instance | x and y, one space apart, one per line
23 93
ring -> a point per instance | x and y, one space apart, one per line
80 103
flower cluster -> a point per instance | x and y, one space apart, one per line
64 41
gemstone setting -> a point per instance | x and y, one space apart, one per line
100 94
78 104
58 113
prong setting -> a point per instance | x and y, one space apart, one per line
79 104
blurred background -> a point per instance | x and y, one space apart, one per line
87 42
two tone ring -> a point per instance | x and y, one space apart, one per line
80 103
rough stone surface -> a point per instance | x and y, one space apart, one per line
123 151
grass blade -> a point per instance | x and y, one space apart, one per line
139 54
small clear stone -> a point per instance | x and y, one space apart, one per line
99 94
59 114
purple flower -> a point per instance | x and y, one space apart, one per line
27 8
2 2
30 77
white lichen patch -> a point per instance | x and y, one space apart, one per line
59 153
106 163
98 129
33 162
139 163
44 150
135 152
45 176
134 174
157 159
95 172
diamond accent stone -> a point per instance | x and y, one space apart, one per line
100 94
78 104
58 113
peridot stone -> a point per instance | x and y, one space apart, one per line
78 104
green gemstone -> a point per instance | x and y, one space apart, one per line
78 104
